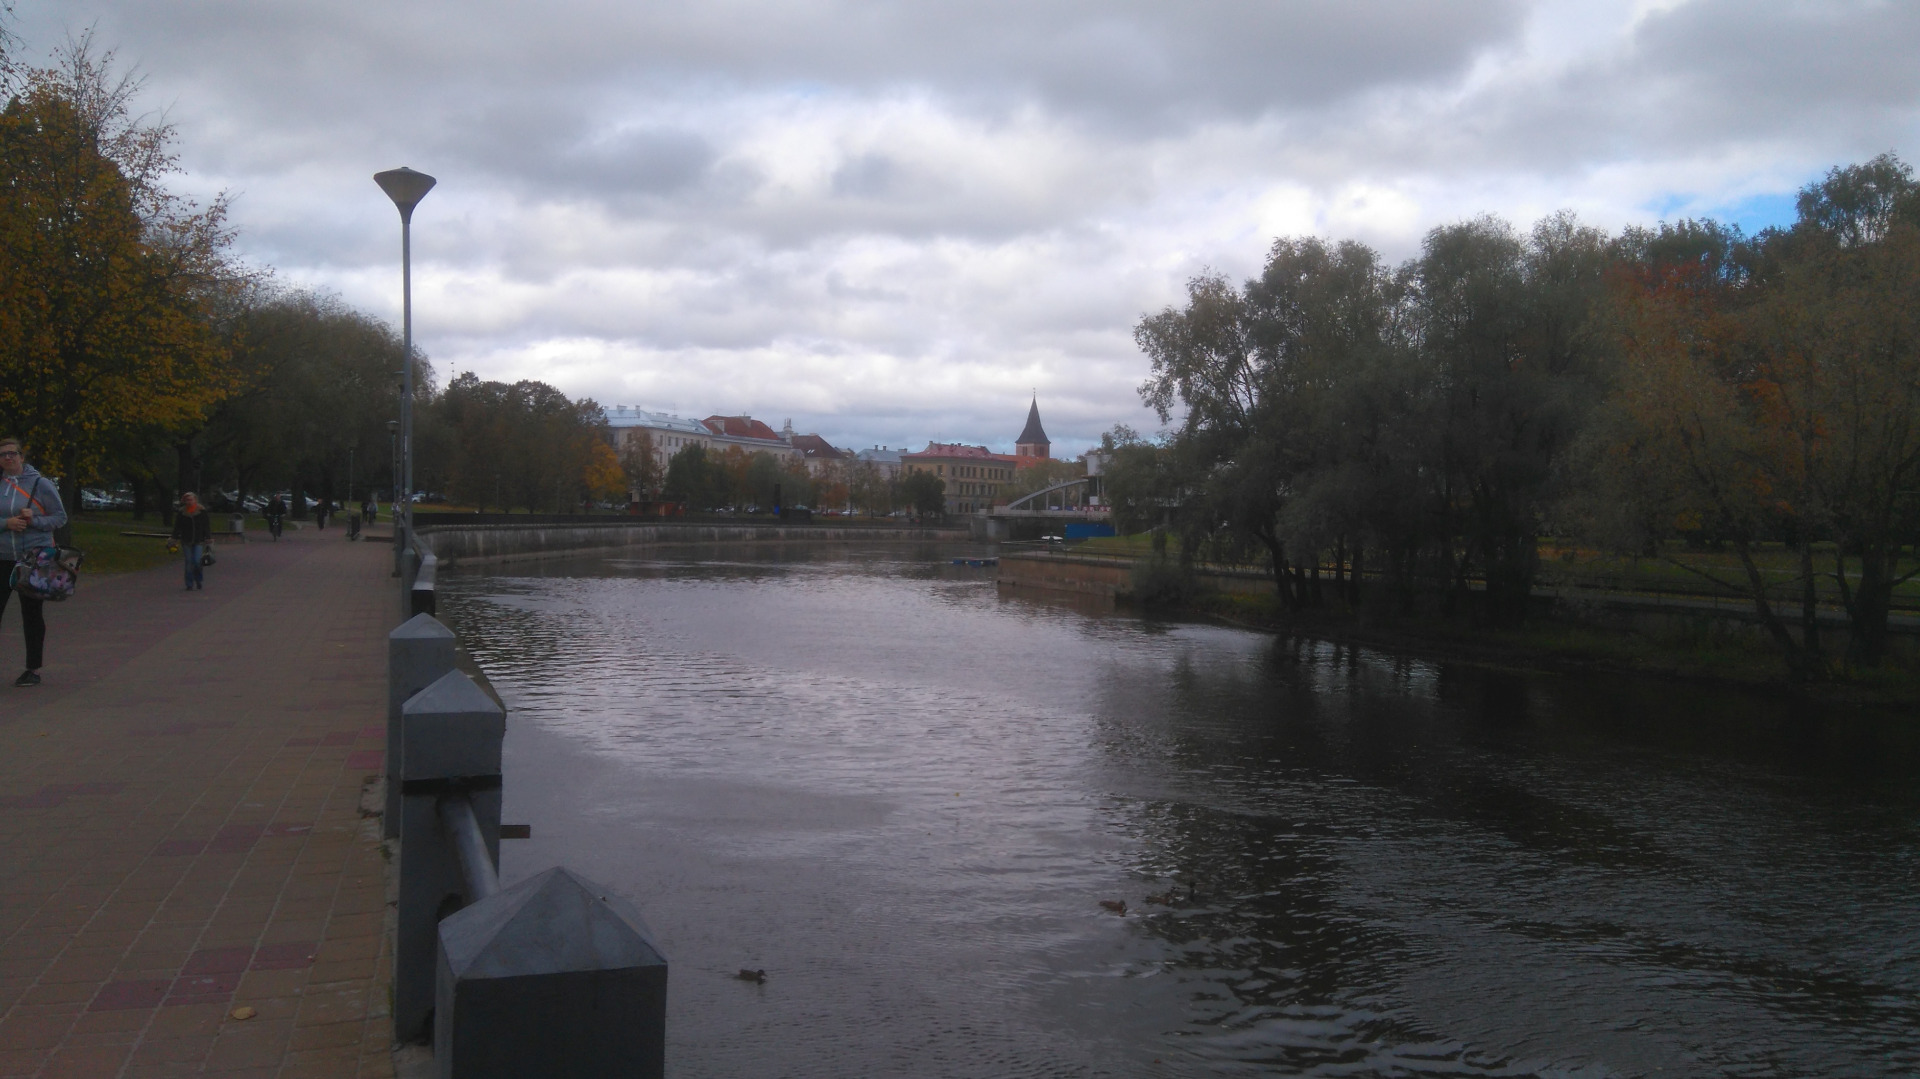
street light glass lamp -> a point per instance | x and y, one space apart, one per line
405 187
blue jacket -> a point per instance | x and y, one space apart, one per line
31 490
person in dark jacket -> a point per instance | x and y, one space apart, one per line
30 504
276 514
192 532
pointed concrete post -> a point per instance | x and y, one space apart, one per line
418 653
553 977
450 740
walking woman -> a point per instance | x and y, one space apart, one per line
192 532
31 505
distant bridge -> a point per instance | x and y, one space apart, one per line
1029 516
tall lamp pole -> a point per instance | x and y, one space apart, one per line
406 188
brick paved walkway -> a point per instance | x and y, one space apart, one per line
181 832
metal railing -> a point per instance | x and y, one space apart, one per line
549 976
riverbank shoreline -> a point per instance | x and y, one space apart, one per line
1576 631
489 543
1551 647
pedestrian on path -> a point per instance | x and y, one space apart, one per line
371 509
192 533
320 511
276 516
31 505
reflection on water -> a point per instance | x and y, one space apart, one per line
905 796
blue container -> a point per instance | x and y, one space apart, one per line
1087 530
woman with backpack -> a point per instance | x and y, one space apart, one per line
30 504
192 533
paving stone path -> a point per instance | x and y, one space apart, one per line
181 825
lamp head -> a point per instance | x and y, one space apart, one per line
393 426
405 187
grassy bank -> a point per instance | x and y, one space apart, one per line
1677 572
102 535
1708 651
99 535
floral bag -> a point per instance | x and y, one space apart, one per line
47 573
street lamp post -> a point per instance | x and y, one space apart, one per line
406 188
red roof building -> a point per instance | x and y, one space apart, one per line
820 455
740 427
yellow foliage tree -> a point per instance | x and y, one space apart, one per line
105 310
603 477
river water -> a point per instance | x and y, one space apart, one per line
905 794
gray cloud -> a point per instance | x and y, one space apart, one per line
892 220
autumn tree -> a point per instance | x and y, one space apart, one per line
871 490
640 464
1685 443
1771 388
111 289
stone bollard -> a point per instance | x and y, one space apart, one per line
552 977
449 742
418 653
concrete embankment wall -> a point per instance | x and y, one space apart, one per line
454 544
1095 575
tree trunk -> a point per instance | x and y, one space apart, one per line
1278 555
1810 607
1868 606
1757 591
138 485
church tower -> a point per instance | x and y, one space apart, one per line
1033 438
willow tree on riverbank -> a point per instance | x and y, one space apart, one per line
1336 405
1771 389
1681 385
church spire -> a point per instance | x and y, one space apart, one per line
1033 438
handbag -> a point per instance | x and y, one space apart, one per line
47 573
206 557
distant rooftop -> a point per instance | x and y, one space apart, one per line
955 449
817 448
741 427
630 416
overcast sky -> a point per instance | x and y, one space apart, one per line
891 222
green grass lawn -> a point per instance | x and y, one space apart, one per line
99 534
1579 567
